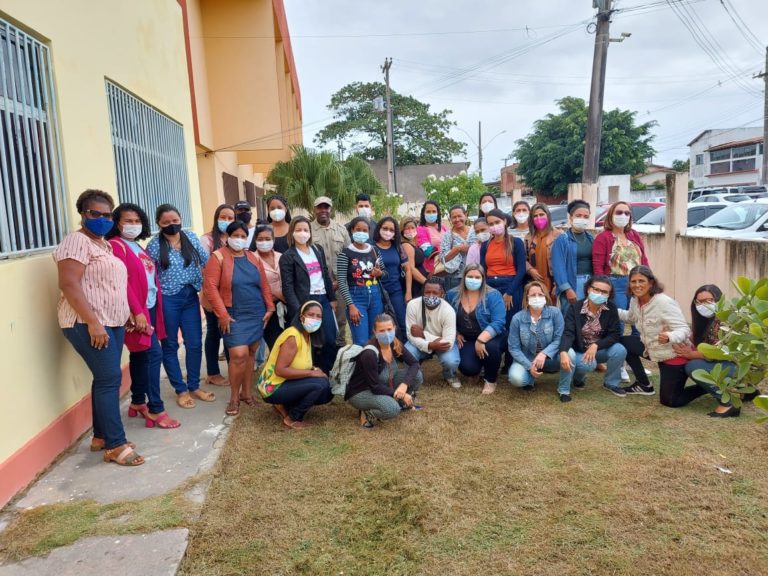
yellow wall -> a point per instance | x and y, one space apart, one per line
140 46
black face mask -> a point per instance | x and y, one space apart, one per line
244 217
171 229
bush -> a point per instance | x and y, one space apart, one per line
450 190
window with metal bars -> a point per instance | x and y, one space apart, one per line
32 198
149 155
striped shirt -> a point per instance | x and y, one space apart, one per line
104 282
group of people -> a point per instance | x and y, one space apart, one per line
508 289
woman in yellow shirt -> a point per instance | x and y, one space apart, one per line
289 381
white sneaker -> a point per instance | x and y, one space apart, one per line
647 372
624 375
454 382
489 387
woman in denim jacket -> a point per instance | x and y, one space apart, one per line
534 337
480 328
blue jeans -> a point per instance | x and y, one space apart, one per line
581 279
182 311
368 301
621 298
449 360
326 356
504 285
708 366
144 368
104 365
518 375
613 357
397 297
298 396
472 365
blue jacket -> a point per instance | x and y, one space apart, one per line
491 313
564 261
516 286
548 331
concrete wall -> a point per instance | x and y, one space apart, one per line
409 178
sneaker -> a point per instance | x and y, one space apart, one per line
624 375
489 387
638 388
578 384
620 392
528 388
454 382
565 398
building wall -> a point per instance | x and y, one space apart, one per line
139 45
700 172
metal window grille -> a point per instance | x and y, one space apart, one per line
31 184
149 155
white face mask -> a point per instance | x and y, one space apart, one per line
580 223
483 236
706 310
487 207
301 237
130 231
537 302
365 212
621 220
277 215
521 217
237 244
387 234
265 245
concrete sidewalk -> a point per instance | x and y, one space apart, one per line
173 457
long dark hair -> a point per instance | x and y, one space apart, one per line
316 337
118 212
700 323
423 222
284 201
188 251
215 232
396 239
531 228
509 241
480 213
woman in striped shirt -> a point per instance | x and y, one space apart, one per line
92 312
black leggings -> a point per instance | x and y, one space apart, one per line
673 391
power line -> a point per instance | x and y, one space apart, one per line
742 27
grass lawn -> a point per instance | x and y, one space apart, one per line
513 483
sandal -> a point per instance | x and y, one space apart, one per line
123 455
233 408
217 380
97 444
281 411
203 395
136 409
295 424
162 421
184 400
366 420
249 401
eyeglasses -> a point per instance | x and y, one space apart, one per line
97 214
622 213
603 292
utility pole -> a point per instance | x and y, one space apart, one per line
764 76
480 148
590 171
391 184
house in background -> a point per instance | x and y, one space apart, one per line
510 181
655 175
727 157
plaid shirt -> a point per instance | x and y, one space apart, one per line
591 330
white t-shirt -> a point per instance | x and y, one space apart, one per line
316 283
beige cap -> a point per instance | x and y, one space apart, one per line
323 200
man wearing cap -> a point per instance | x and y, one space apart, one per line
243 214
333 238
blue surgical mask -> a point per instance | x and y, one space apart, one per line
386 337
311 324
431 301
360 237
98 226
431 218
598 299
473 283
223 225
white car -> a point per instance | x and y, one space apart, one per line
697 212
730 198
742 221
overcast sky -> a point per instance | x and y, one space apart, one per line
505 62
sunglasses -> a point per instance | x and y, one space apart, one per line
97 214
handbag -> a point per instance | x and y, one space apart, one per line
139 341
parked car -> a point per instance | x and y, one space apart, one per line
697 212
722 198
639 209
742 221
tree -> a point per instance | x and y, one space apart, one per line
310 174
551 157
464 189
681 165
421 136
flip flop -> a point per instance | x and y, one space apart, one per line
184 400
203 395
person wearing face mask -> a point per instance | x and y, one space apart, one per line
237 288
417 273
429 234
359 270
486 203
542 236
146 327
305 276
521 213
223 216
430 323
454 246
333 238
706 328
270 260
179 257
244 214
290 381
364 209
92 313
279 217
572 256
386 242
534 337
379 388
591 337
480 326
